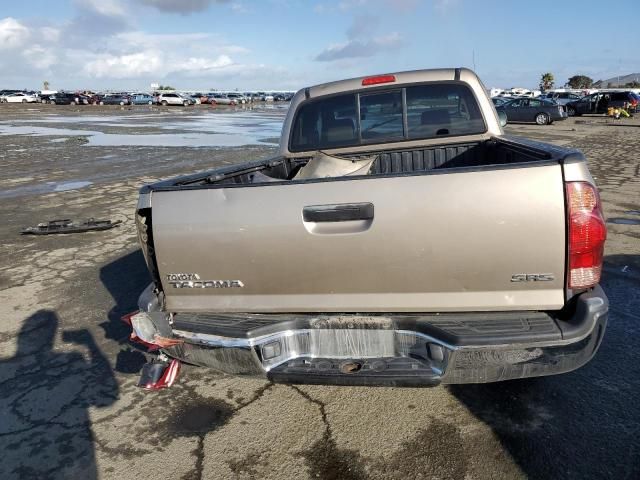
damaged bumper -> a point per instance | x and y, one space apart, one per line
394 350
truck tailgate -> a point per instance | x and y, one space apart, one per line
451 241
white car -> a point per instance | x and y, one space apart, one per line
222 99
21 97
172 99
237 97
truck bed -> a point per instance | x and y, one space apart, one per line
497 152
249 231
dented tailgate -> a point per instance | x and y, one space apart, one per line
458 241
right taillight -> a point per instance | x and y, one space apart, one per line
587 233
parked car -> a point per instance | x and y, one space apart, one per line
142 99
172 99
497 101
115 99
599 102
21 97
237 97
46 97
561 98
221 99
543 112
67 98
4 93
395 276
193 99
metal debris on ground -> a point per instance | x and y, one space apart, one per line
68 226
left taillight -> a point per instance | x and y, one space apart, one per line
587 234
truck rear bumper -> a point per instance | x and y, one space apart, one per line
392 350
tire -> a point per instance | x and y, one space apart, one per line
150 102
542 119
571 111
185 104
24 100
101 102
122 104
164 103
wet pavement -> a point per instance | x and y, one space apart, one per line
69 407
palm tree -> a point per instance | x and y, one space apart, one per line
546 81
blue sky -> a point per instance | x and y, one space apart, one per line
288 44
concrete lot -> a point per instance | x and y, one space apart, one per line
69 407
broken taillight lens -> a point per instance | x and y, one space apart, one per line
587 234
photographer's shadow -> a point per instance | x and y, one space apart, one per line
45 427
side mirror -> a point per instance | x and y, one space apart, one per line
502 117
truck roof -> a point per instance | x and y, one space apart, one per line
406 77
390 81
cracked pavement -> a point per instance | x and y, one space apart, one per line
69 407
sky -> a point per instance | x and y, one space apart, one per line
290 44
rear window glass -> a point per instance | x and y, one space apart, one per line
327 123
434 110
381 115
430 111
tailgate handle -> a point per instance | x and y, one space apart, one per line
341 212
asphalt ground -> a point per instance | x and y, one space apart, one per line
69 407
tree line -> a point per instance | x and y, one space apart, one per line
547 82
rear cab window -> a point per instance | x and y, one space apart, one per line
386 115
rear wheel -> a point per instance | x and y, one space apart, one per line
150 102
24 100
543 119
122 104
165 103
101 103
185 104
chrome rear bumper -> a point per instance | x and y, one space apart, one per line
384 350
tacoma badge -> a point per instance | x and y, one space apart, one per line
532 277
192 280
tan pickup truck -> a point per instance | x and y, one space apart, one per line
397 238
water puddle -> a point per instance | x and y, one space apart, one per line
624 221
36 131
175 140
42 188
229 129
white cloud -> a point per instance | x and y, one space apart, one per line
50 34
180 6
109 8
443 6
360 41
152 63
13 34
98 47
125 66
240 7
40 57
